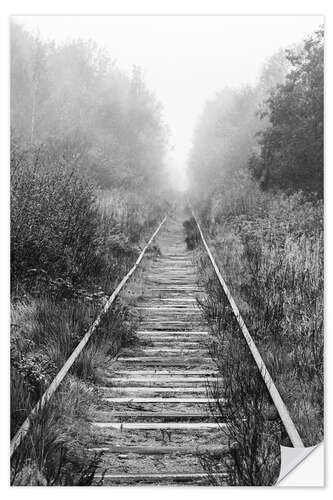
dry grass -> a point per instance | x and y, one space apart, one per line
55 451
241 398
71 245
270 251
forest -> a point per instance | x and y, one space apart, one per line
89 186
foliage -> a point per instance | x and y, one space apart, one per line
61 233
44 334
54 223
291 149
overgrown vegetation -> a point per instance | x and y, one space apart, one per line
272 258
266 232
86 169
55 450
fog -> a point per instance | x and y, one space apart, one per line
186 59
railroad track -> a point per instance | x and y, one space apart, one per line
153 421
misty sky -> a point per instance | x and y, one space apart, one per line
186 58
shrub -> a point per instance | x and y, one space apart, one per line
54 223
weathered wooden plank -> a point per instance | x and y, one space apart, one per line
158 425
148 351
167 308
188 360
219 451
184 400
157 416
153 390
174 332
169 373
179 343
159 477
158 380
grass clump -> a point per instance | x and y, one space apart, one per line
192 237
55 450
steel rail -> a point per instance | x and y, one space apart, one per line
23 430
273 391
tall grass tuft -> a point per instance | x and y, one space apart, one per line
55 450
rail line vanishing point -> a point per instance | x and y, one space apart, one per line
153 422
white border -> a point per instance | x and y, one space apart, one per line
309 472
255 7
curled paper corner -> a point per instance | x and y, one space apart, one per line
292 457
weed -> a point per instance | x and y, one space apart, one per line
191 235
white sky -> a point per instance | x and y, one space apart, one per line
186 58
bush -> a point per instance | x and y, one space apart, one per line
54 223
